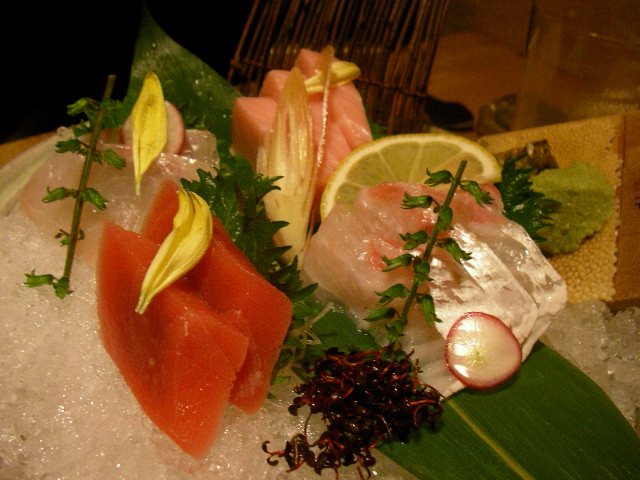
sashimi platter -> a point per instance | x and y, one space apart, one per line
202 285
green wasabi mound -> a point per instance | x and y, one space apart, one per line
586 202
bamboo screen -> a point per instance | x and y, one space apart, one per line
393 43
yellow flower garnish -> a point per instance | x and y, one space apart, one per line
340 72
181 250
149 120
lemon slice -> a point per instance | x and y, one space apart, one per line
406 158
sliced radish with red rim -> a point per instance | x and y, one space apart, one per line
175 130
481 351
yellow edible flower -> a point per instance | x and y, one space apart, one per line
340 72
181 250
149 120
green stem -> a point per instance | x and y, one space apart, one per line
433 238
84 179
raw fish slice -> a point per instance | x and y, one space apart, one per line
380 206
335 146
124 207
520 253
345 260
496 290
506 240
252 118
201 145
179 358
273 84
511 302
307 61
489 285
346 110
228 282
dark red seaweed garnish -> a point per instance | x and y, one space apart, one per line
364 398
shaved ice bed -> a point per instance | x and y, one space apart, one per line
65 411
607 349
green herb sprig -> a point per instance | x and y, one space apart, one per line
421 265
106 113
532 210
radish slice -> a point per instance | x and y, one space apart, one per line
481 351
175 130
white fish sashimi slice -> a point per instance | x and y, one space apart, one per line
510 301
529 266
344 257
200 146
124 207
349 275
345 260
488 285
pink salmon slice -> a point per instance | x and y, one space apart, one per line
252 118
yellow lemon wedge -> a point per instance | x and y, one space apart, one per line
149 121
406 158
181 250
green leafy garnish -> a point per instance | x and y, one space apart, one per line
421 264
104 114
522 204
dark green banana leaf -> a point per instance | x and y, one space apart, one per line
548 422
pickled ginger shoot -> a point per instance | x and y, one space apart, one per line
586 202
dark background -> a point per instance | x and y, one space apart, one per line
56 52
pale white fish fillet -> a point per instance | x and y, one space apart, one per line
515 248
488 285
519 252
124 207
510 302
201 146
342 263
344 258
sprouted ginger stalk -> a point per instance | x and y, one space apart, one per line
288 155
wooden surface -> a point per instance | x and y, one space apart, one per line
12 149
474 70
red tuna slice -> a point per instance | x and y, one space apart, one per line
178 358
252 118
228 282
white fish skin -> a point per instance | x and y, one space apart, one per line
124 207
344 258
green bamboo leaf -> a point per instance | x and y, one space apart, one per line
202 95
549 422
